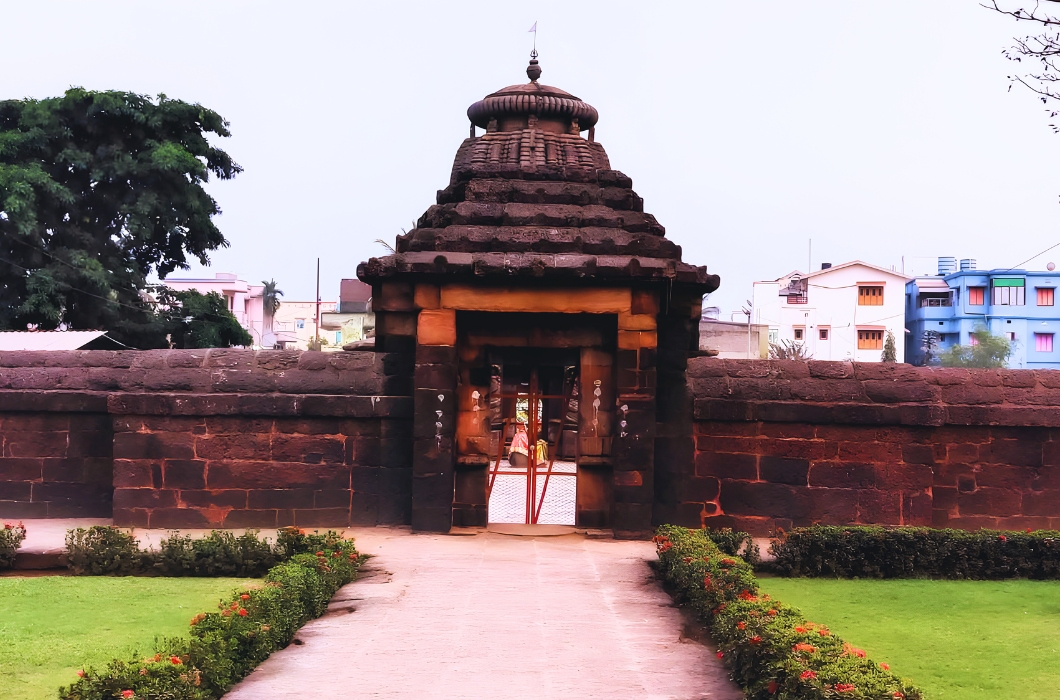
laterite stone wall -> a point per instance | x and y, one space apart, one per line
209 438
790 443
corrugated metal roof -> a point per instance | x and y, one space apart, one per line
47 340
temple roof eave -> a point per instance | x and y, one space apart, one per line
433 266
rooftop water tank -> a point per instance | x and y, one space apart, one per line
825 266
947 265
967 264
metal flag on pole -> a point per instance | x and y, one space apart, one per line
533 54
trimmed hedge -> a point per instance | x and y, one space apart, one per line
225 645
10 540
916 552
106 550
770 648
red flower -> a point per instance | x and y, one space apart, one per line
720 654
808 648
175 660
800 630
687 560
234 605
81 673
1028 531
746 595
898 694
336 554
242 612
844 687
320 554
128 694
756 639
1002 538
244 597
226 613
885 667
806 675
771 612
741 625
773 687
823 632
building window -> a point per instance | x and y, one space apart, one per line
1043 342
822 334
1008 292
299 323
1011 336
1045 296
799 333
774 335
976 296
870 340
870 296
973 339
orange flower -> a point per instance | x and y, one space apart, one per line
81 673
747 595
800 630
244 597
175 660
320 554
885 667
226 613
741 625
808 648
823 632
771 613
197 619
234 605
242 612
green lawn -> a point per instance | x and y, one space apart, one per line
52 626
966 640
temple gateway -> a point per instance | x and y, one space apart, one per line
547 321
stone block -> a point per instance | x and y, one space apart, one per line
631 520
144 498
437 519
184 473
334 498
1027 453
224 498
699 489
635 340
137 473
783 470
1042 503
644 301
727 465
251 518
266 475
154 446
992 502
903 477
432 491
175 518
916 509
21 469
34 444
427 296
310 449
436 327
261 499
764 499
15 490
842 475
436 377
879 507
128 517
834 506
322 517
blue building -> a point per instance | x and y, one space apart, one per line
1018 304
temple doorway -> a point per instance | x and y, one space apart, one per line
533 409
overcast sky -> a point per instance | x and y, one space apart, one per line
879 130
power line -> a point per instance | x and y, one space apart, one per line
1017 265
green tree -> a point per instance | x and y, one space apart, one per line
98 190
270 297
890 350
194 320
989 350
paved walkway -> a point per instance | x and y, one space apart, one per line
498 617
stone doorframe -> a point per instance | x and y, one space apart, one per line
441 392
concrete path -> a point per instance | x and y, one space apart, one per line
498 617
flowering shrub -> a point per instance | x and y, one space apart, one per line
11 537
104 550
218 554
771 650
226 644
917 552
736 543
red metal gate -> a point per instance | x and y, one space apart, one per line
536 470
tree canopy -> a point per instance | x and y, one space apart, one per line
98 190
195 320
989 350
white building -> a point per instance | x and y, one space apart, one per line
840 312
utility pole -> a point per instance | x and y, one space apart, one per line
317 326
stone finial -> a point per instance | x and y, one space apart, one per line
533 71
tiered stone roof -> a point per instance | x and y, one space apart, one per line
533 198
